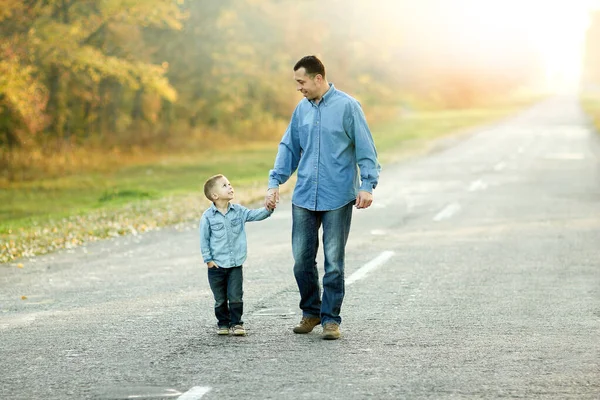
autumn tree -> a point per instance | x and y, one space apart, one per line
68 64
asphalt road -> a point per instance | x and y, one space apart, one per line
475 275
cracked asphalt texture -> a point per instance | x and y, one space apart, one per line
493 290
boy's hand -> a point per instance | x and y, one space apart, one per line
211 264
272 198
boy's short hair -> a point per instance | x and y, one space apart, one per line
210 184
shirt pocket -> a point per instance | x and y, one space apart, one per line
218 229
236 225
303 133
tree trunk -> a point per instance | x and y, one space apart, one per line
57 105
137 112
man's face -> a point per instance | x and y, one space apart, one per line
223 189
308 86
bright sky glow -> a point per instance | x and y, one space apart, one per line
488 32
555 29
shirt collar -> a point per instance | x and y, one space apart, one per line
326 96
216 210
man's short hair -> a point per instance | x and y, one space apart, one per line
312 65
210 184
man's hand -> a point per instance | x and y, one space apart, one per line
272 198
363 200
211 264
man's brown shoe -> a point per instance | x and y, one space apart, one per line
331 331
307 324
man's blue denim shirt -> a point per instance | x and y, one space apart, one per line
325 142
223 237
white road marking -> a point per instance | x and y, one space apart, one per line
169 393
195 393
565 156
476 185
447 212
368 267
277 311
500 166
20 321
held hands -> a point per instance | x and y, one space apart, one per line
271 199
363 200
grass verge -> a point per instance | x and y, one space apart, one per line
43 216
591 105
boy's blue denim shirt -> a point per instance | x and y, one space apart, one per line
326 142
223 237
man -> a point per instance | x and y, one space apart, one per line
326 139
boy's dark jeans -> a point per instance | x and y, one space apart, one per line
226 285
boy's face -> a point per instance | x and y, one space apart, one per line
223 190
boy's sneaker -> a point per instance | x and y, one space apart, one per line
223 330
307 324
331 331
238 330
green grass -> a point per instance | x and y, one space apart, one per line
41 216
426 126
33 203
591 106
413 132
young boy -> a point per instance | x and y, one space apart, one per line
223 244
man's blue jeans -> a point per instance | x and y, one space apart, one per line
226 285
305 244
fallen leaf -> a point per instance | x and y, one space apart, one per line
20 265
23 297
